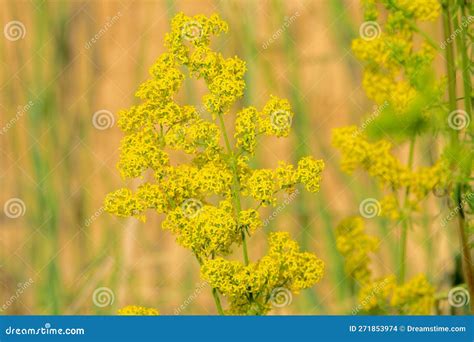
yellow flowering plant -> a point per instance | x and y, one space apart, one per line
412 104
212 201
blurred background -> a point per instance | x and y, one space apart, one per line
67 67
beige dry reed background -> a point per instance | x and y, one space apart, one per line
67 67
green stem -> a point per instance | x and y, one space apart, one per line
466 252
465 65
215 292
406 221
451 69
466 79
235 186
450 66
217 300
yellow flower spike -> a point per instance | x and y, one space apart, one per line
425 10
134 310
207 230
309 173
376 158
416 297
124 203
390 208
261 186
286 176
375 295
201 198
246 129
355 245
370 9
250 220
249 286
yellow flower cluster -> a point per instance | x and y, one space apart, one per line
396 65
373 294
276 117
390 208
250 287
202 198
264 184
420 9
415 297
355 246
206 230
274 120
377 159
246 129
389 51
134 310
